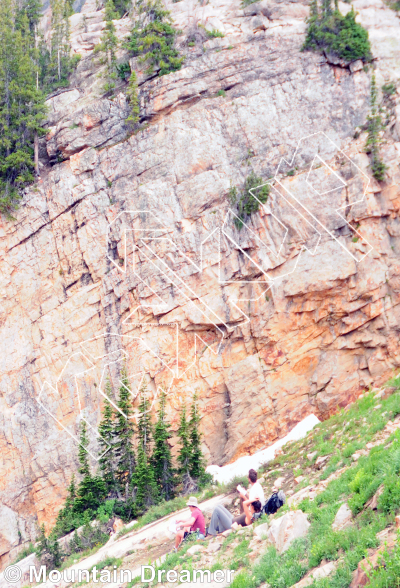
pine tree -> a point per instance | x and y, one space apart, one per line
69 502
123 437
91 490
164 472
106 446
145 428
133 99
144 483
197 462
108 46
84 468
185 454
22 108
374 126
55 61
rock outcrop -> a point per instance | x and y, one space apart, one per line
126 250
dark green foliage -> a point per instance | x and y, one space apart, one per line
106 446
146 492
48 549
197 463
123 70
153 39
55 61
185 453
108 46
336 35
22 108
123 433
374 126
247 201
133 99
91 490
122 7
162 459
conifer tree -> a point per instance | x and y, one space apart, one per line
69 502
22 108
374 126
197 464
145 428
164 472
144 483
55 61
106 447
133 99
185 453
91 490
123 437
108 46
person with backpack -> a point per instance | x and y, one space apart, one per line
255 492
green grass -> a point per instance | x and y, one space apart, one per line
355 486
24 553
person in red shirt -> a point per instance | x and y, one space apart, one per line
194 524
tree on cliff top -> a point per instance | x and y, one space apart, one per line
22 108
336 35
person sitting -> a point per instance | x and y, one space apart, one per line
194 524
255 491
252 512
221 520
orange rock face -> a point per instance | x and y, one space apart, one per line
128 251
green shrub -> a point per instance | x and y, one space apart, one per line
245 200
374 126
152 39
332 33
389 501
214 34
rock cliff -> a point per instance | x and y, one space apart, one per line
127 249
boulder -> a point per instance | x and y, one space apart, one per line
321 461
213 547
286 529
316 574
343 517
356 66
278 482
195 549
118 524
310 456
261 531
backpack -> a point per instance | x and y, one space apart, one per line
274 502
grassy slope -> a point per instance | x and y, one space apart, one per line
339 438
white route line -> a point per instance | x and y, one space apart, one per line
147 236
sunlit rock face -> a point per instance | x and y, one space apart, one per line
128 252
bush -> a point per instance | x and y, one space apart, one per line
245 201
331 33
389 501
152 40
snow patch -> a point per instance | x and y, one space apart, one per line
240 467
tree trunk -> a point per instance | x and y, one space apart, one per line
36 153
